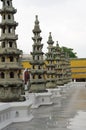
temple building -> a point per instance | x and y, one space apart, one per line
37 80
50 65
11 86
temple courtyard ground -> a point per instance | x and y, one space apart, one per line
67 113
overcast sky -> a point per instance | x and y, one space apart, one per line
66 19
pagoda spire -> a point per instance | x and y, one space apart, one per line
50 40
11 85
36 26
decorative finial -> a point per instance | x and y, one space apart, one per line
50 41
50 33
36 26
50 37
36 17
36 22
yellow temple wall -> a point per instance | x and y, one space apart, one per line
78 67
26 64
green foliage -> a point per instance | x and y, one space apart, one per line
70 52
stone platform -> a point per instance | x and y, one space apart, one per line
15 112
39 99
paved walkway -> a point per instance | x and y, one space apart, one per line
68 113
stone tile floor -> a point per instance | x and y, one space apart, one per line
68 113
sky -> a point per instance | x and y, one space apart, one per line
65 19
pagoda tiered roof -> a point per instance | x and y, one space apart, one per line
10 51
8 37
9 23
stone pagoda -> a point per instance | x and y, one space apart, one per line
50 65
37 80
63 65
11 86
68 69
58 68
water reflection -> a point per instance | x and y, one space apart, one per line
79 122
68 115
54 117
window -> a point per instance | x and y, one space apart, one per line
39 77
10 44
9 17
3 44
38 57
11 58
8 3
10 30
18 75
3 30
4 16
33 57
33 67
11 75
38 48
3 59
39 67
2 75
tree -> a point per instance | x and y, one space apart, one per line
70 52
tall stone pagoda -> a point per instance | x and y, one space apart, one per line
58 68
11 86
37 80
50 65
63 64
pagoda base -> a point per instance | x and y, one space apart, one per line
37 88
59 83
40 99
11 94
50 85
